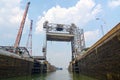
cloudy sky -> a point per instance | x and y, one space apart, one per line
81 12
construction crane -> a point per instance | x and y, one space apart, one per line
18 38
29 41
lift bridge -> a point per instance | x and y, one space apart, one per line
68 33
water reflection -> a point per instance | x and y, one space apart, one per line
39 77
82 77
58 75
19 78
33 77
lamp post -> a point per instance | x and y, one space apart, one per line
102 30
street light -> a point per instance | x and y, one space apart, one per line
101 25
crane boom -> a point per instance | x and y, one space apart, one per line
18 38
29 41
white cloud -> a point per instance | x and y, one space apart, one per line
6 36
94 34
10 12
114 3
59 53
10 17
91 36
80 14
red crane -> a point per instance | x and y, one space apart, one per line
29 41
18 38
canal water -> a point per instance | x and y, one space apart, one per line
57 75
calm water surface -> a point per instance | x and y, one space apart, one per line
58 75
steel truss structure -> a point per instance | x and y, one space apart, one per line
63 32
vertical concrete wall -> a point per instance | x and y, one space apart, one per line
103 62
10 67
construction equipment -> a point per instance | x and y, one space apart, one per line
29 41
17 42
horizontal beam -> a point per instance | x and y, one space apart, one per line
59 36
39 57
